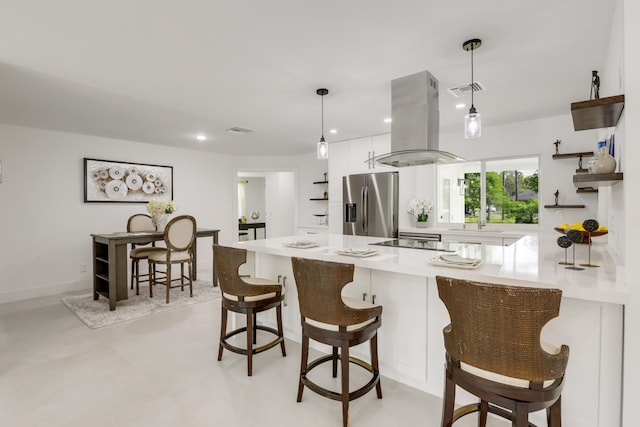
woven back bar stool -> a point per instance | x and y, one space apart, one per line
493 351
339 322
247 296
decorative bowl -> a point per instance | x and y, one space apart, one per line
585 234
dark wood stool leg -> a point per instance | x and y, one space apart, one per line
344 363
133 271
280 329
448 401
152 277
255 330
168 283
182 276
521 416
223 332
136 266
482 418
553 414
373 343
303 364
250 343
190 280
335 362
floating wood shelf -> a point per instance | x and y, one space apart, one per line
564 206
321 198
586 190
597 113
571 155
597 179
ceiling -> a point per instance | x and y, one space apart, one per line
161 71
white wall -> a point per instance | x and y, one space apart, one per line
631 206
45 226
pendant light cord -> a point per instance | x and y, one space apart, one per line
472 76
322 115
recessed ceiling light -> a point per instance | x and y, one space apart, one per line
201 137
333 131
387 120
460 106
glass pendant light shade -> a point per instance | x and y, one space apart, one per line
323 149
472 124
472 121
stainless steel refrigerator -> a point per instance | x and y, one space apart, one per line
370 204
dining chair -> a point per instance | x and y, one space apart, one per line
339 322
248 296
494 351
140 251
179 238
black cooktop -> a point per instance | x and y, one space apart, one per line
430 245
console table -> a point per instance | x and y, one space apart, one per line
110 266
254 226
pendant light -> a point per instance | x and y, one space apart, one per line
323 147
472 121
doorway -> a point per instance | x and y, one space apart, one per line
267 202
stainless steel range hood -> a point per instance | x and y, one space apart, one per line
415 127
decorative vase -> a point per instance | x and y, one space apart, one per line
421 221
159 221
604 162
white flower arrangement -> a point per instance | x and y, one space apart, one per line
420 208
160 206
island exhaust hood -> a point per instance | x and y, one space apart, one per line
415 127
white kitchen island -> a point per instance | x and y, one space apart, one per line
410 344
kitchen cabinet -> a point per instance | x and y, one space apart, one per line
355 156
403 299
487 240
313 230
363 150
335 217
338 167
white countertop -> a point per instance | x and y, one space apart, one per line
531 261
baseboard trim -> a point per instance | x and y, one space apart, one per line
44 291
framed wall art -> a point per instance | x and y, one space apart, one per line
126 182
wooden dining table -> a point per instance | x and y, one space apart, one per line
110 266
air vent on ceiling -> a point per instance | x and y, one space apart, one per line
462 90
238 129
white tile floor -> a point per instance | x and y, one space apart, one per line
162 371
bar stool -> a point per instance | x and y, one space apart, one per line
493 351
248 296
179 238
340 322
139 251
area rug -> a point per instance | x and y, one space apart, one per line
96 314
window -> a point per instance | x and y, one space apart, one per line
502 191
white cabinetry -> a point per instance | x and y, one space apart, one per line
312 230
363 150
338 167
457 238
353 157
350 158
402 352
